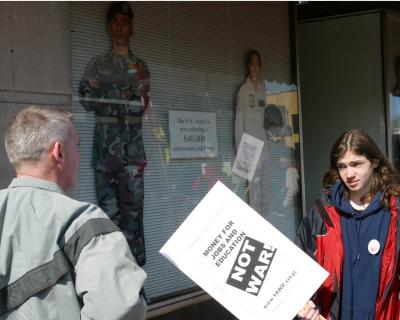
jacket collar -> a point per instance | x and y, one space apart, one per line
35 183
251 85
129 58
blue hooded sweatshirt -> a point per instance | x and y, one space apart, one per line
361 268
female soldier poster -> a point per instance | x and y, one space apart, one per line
241 260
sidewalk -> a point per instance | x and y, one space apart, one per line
209 310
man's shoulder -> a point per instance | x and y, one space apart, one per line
136 60
245 88
140 61
100 60
51 202
76 214
79 208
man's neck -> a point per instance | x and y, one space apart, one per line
254 82
121 50
38 172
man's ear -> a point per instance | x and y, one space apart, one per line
57 152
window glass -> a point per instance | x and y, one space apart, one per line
162 123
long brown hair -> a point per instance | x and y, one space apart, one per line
385 179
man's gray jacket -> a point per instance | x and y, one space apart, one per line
63 259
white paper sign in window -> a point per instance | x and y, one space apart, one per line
193 134
247 156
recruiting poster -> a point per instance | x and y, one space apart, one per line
247 157
193 134
285 96
241 260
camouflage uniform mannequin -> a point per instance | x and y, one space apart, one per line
116 88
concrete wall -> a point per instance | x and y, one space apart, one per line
35 63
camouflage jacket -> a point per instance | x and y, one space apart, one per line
115 86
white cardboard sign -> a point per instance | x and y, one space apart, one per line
241 260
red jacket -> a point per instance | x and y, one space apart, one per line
320 236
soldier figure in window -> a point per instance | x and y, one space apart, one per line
116 88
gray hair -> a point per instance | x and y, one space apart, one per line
32 132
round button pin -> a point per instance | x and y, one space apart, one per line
374 246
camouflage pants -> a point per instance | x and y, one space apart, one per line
119 163
120 193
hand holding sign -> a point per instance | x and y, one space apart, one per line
309 312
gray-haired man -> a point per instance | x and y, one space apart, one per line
59 258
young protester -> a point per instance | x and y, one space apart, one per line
353 232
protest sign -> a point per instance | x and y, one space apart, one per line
241 260
247 157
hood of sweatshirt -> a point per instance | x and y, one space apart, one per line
341 201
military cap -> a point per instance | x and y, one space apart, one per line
119 7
